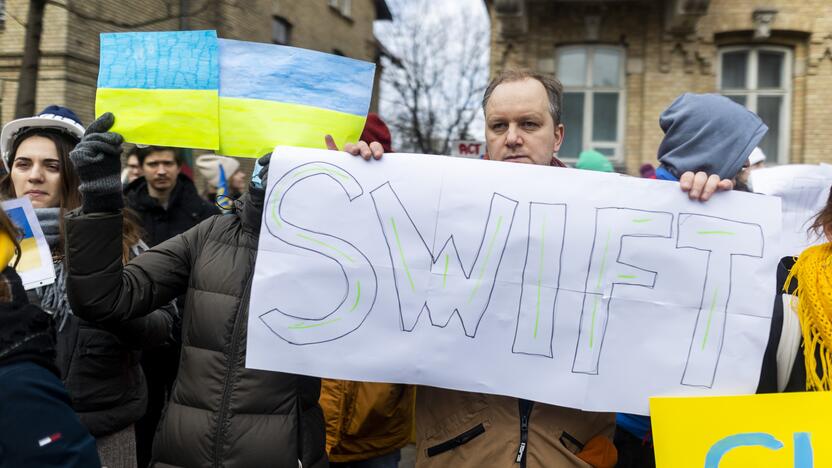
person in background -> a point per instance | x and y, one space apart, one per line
220 413
798 357
37 424
168 204
756 160
134 168
592 160
647 171
208 166
98 365
237 184
165 199
714 136
367 424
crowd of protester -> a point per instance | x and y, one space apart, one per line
135 355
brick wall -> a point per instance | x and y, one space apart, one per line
660 65
69 63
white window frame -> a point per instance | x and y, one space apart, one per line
751 92
588 90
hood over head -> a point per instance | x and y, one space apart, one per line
710 133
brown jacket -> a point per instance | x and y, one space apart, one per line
463 430
365 420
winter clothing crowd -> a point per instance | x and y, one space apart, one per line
135 355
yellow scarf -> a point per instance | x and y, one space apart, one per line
813 271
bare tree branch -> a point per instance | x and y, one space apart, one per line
435 78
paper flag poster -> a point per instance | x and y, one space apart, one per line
35 265
188 89
787 430
276 95
162 87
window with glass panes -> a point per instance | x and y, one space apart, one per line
759 78
593 99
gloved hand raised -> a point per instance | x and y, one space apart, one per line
259 180
97 159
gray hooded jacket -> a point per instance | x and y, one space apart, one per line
710 133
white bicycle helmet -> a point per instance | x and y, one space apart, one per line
57 117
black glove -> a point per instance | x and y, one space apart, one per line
97 159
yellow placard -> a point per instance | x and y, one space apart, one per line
787 430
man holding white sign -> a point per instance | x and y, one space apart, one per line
454 428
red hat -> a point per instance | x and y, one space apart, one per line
376 130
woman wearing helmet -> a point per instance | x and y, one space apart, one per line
99 367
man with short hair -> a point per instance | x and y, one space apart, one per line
168 204
463 429
166 200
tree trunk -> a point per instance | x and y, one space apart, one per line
27 82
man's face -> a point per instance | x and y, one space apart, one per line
518 126
134 169
160 170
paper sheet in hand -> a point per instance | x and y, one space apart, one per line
163 87
35 265
277 95
804 189
789 430
189 89
568 287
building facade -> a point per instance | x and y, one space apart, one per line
69 46
622 62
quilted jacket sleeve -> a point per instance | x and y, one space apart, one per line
101 290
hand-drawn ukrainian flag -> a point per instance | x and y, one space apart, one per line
29 254
277 95
162 87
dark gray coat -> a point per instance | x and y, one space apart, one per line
220 413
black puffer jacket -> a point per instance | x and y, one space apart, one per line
220 413
185 209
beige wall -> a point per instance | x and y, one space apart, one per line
69 63
660 65
316 25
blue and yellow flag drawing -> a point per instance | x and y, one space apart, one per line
189 89
163 87
276 95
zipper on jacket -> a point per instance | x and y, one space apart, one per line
232 370
461 439
525 412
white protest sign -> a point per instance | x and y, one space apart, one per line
35 264
804 189
561 286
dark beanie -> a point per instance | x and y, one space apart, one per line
376 130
